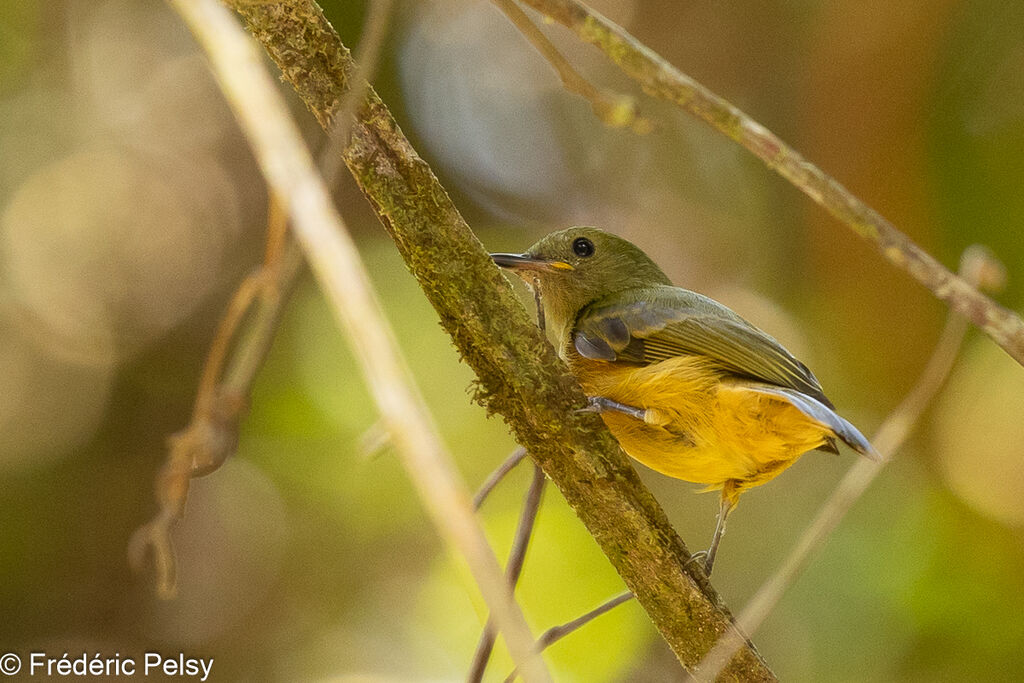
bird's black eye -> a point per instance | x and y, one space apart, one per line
582 247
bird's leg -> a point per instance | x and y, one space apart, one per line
601 404
708 556
724 509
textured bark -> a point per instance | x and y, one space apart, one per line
519 375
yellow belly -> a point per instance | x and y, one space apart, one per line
701 426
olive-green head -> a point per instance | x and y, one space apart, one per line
577 266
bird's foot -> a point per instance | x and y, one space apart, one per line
701 556
601 404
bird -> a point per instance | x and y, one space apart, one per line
687 387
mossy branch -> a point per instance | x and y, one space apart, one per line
660 79
518 373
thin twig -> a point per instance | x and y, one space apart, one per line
367 56
211 436
519 453
513 569
524 530
517 456
979 268
230 369
374 441
542 322
617 111
556 633
332 255
277 232
213 369
660 79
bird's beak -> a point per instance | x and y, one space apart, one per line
526 262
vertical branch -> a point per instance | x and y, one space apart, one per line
332 160
334 260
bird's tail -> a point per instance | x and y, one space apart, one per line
819 412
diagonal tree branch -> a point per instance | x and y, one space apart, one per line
518 373
334 260
660 79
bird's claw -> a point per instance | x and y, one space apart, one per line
601 404
702 557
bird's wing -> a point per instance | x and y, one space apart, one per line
651 325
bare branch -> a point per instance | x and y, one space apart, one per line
513 569
617 111
211 436
660 79
978 267
517 456
518 372
556 633
332 255
376 25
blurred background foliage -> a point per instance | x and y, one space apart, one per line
130 207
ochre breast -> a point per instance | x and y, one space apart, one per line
703 426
